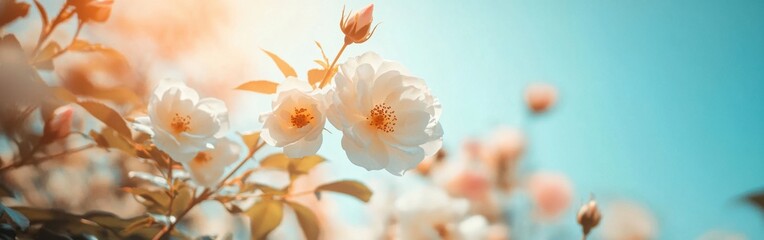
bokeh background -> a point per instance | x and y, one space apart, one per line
660 102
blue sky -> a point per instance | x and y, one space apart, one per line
660 100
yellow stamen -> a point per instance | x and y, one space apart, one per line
382 118
301 117
180 124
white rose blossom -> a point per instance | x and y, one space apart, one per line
297 120
208 166
181 123
388 118
430 213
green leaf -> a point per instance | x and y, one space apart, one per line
264 216
307 219
278 161
251 140
259 86
349 187
102 225
108 116
287 70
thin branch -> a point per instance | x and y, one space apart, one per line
42 159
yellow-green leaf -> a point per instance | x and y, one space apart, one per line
259 86
108 116
264 216
251 140
303 165
287 70
349 187
182 200
44 59
277 161
307 219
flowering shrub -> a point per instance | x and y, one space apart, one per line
144 158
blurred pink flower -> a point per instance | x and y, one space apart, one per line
551 193
540 96
471 184
60 125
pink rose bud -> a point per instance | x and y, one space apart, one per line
357 27
540 97
59 125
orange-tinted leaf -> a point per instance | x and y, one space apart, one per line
287 70
63 94
307 219
315 76
349 187
108 116
259 86
80 45
323 54
264 216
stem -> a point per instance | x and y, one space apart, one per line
48 29
584 237
172 191
74 39
39 160
326 78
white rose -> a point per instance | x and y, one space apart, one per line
430 213
181 123
208 166
388 118
297 120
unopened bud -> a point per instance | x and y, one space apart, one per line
60 125
589 216
357 27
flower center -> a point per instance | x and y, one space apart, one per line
301 117
442 230
202 157
180 123
382 118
